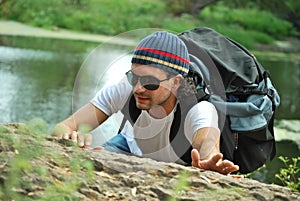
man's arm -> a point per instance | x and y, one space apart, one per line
206 140
88 117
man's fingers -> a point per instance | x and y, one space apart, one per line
88 140
228 170
97 148
215 163
74 136
84 140
66 136
195 157
233 168
228 167
216 158
227 163
80 139
61 131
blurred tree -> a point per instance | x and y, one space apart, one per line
285 9
193 7
2 1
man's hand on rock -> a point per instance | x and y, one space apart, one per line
84 140
215 163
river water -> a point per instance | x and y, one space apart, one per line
51 78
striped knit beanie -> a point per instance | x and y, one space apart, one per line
163 50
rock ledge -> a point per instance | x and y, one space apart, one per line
38 167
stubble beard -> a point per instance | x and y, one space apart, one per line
148 104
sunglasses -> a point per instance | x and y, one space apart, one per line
148 82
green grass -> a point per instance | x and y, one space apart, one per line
247 26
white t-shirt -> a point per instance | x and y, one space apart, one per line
149 137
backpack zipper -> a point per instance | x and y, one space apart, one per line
236 140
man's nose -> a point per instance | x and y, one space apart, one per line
138 87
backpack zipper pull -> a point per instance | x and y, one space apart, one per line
236 140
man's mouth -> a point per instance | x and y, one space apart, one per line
141 98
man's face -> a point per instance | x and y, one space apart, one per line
148 75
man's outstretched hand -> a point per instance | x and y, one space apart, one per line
215 163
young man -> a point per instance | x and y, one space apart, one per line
156 85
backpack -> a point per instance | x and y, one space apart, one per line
228 75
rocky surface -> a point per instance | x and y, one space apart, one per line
36 167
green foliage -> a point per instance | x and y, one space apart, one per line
108 17
178 6
246 24
285 9
245 37
290 175
248 19
181 185
179 24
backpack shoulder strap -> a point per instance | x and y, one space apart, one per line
180 144
130 112
179 141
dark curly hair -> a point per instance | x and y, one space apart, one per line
187 87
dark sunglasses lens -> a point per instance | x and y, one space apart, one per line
149 82
151 87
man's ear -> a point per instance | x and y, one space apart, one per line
177 80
